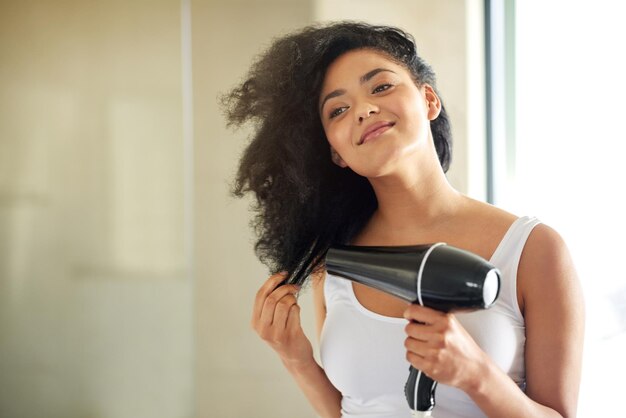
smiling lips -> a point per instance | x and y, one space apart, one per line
375 130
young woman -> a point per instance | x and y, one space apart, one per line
351 144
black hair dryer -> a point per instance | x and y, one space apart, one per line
438 276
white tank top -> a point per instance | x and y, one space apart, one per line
363 352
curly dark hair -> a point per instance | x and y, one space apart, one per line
304 202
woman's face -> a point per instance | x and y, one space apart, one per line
374 115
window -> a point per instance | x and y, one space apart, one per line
559 148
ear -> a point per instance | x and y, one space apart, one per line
334 155
432 101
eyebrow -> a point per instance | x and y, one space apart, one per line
364 79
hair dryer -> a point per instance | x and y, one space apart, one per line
438 276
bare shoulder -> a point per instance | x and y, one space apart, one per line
487 214
482 227
546 270
545 252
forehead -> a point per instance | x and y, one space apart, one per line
351 65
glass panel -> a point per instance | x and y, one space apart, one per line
570 155
95 293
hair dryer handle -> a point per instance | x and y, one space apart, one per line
420 391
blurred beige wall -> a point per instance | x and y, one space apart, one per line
95 293
237 375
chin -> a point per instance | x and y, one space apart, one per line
388 163
377 171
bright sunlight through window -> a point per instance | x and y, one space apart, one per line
570 160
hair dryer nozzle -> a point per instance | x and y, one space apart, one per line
435 275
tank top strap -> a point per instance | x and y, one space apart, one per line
513 242
506 258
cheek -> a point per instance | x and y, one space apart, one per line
409 107
414 116
338 135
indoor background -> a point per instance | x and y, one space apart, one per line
127 271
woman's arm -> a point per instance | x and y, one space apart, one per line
323 396
311 378
554 314
276 318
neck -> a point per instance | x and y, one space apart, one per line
415 202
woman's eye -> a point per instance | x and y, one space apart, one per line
381 87
338 111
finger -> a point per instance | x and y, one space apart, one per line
419 362
293 320
422 314
419 331
269 306
262 294
281 313
416 347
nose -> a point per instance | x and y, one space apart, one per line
366 110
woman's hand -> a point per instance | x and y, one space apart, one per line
438 345
276 318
